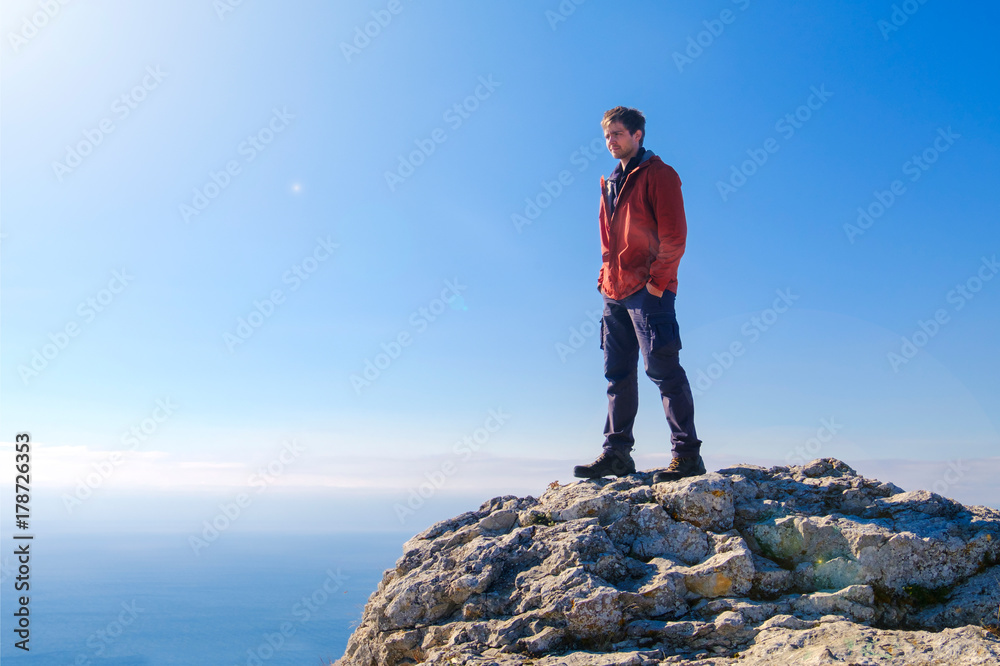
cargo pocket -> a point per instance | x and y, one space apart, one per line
664 333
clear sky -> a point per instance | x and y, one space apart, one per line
356 244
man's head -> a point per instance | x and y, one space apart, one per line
624 130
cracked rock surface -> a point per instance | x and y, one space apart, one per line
809 564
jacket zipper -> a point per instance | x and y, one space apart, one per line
611 236
622 191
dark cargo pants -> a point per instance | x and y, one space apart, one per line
644 322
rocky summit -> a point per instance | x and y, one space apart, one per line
788 565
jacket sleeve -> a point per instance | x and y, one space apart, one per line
671 226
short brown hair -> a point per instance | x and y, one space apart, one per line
632 119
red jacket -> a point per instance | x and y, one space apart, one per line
645 237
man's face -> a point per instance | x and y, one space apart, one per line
623 146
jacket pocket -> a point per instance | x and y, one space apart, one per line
664 334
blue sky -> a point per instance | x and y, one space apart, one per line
278 125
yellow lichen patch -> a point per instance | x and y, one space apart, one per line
711 585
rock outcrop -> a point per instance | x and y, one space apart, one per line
787 565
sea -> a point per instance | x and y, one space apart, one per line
245 599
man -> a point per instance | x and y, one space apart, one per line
643 233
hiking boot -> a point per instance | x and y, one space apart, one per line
681 468
608 463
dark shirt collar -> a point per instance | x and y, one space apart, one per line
620 174
617 179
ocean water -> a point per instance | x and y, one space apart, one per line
247 599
